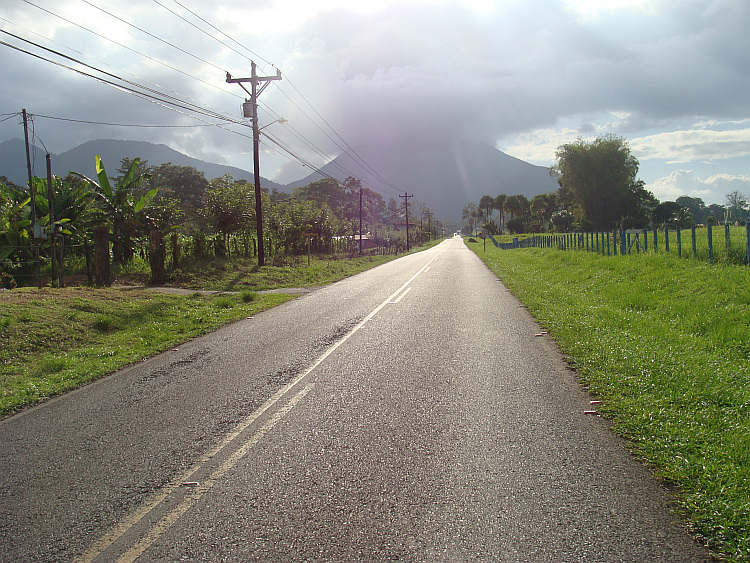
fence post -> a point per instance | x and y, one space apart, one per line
710 245
645 241
607 243
726 236
679 243
623 247
695 244
666 239
656 240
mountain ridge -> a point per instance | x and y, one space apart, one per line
81 159
445 175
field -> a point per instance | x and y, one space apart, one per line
664 343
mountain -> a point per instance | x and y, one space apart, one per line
82 159
445 175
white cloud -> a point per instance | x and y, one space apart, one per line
712 189
693 145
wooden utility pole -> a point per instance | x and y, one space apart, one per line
32 194
254 92
51 223
406 197
360 220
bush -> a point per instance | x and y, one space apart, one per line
7 281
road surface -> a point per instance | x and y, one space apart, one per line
407 413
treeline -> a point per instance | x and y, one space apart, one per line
166 213
599 191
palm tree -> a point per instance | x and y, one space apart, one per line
500 206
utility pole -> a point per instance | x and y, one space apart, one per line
406 197
254 92
32 194
51 223
360 220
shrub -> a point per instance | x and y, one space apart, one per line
7 281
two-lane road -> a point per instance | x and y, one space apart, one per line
407 413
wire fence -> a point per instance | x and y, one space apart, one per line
726 243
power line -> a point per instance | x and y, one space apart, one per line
164 99
150 34
208 34
146 80
136 125
175 103
131 49
356 157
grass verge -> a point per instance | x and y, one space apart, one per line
53 340
665 343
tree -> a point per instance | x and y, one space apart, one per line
539 207
716 213
487 203
327 191
695 206
666 212
183 183
500 206
517 206
121 204
162 218
470 213
15 219
229 207
736 207
601 179
562 220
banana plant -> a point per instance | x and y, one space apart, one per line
120 205
14 222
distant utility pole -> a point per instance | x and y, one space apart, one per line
254 92
406 197
360 221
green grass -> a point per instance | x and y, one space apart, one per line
665 344
242 274
53 340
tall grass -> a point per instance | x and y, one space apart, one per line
665 344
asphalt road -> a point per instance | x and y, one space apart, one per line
407 413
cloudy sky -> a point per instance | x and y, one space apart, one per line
671 77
